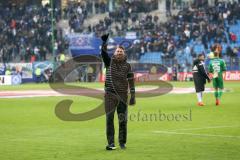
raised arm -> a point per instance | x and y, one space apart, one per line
104 54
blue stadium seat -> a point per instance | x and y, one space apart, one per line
151 57
198 48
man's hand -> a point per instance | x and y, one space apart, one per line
132 101
210 76
105 37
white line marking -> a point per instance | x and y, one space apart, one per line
196 134
210 127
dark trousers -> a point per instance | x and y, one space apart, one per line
199 83
112 103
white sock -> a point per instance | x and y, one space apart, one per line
202 96
199 96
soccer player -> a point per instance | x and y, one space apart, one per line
216 67
200 76
119 77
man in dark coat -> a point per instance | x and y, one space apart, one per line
119 78
200 76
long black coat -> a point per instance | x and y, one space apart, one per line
199 75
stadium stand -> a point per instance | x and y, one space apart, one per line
181 38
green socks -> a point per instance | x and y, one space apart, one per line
218 94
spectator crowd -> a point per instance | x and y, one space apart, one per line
26 33
198 25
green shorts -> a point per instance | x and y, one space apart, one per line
218 83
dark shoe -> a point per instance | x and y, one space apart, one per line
111 147
122 146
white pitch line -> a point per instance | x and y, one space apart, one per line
210 127
195 134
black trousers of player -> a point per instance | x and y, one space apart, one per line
199 82
116 102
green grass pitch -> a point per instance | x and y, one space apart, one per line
29 129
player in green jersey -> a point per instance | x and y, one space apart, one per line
217 66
